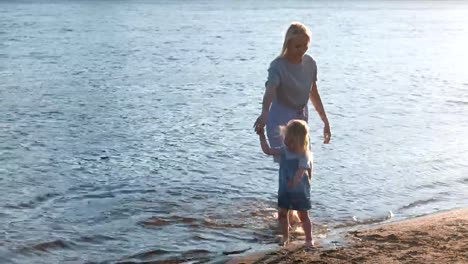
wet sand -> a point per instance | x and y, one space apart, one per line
436 238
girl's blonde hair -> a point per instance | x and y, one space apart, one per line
294 30
297 132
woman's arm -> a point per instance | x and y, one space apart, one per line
317 103
268 97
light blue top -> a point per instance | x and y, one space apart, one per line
293 82
305 161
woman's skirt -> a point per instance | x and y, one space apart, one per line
279 116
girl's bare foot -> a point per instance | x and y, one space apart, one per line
284 242
309 244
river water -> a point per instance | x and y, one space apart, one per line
126 126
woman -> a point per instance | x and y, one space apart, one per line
292 81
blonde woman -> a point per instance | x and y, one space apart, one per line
292 78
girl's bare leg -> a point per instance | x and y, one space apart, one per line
293 218
307 226
284 224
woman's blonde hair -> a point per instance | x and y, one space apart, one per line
297 132
294 30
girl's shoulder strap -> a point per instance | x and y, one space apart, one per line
282 150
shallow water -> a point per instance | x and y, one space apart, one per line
126 126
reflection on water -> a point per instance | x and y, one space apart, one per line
126 127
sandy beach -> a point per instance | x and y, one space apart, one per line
436 238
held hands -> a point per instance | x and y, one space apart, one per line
260 123
260 131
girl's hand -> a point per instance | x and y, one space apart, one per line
260 122
295 181
326 134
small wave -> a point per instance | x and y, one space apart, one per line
369 221
433 185
159 221
236 251
149 254
194 253
192 222
193 256
95 239
458 102
41 55
52 245
202 237
155 222
418 203
35 201
84 187
465 180
167 261
198 237
376 237
203 172
198 255
99 195
47 246
217 224
78 72
52 112
172 58
133 191
233 235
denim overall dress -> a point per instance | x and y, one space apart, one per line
297 197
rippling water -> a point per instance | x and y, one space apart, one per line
125 126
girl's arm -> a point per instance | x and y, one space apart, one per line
297 177
305 170
265 147
317 103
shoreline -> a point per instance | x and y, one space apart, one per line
440 237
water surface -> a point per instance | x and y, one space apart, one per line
126 125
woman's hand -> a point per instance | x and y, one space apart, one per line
261 122
317 103
261 132
326 134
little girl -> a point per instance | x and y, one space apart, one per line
294 176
